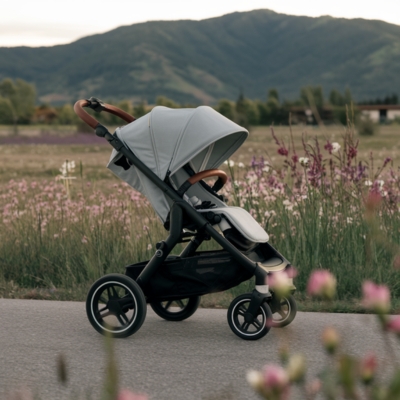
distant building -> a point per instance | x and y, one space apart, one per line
381 112
378 113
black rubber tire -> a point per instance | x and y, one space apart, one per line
251 331
286 313
187 308
120 300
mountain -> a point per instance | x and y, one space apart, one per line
203 61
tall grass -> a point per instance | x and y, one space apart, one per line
314 209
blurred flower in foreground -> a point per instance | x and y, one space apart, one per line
330 340
322 284
296 368
272 383
280 283
126 394
376 297
393 325
367 368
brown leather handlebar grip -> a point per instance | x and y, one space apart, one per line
207 174
91 121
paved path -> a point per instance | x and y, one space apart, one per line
199 358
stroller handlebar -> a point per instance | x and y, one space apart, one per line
98 106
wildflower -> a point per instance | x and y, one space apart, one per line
368 183
376 297
295 158
380 182
393 325
283 151
352 151
328 147
84 239
330 340
336 147
271 383
126 394
280 283
56 235
241 165
373 201
304 161
367 368
387 160
322 284
276 380
255 380
149 246
349 220
296 368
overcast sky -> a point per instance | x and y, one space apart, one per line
50 22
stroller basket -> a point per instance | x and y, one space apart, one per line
179 277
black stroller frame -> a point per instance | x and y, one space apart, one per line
119 296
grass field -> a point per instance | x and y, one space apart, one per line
54 247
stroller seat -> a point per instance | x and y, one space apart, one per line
243 222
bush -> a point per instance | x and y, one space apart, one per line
366 127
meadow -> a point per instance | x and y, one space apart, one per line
323 207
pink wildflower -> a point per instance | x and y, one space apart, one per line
275 382
126 394
367 368
283 151
376 297
394 325
322 284
352 152
330 339
328 147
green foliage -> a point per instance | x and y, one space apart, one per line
226 108
312 96
21 99
6 111
365 126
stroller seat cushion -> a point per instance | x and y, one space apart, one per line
243 222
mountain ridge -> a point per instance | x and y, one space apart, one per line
203 61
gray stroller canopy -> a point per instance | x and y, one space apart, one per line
167 139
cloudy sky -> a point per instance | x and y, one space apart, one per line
51 22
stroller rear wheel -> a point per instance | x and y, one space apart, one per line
116 306
239 322
283 311
176 310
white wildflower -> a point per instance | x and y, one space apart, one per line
304 161
335 147
368 183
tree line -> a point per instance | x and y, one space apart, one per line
17 106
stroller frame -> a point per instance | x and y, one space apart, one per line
258 302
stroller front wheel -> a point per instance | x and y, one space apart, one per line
116 306
284 310
176 310
253 330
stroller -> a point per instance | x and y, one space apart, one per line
166 155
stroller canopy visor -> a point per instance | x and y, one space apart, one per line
166 139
